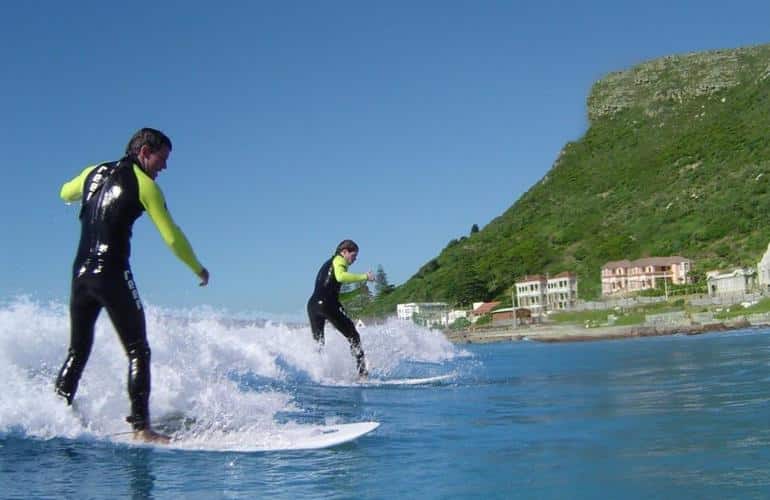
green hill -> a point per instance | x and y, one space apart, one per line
676 161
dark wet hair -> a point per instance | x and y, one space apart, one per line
155 139
348 245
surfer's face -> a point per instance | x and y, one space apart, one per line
349 256
153 161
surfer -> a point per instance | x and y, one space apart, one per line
113 195
325 304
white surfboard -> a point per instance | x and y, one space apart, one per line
376 382
296 437
407 381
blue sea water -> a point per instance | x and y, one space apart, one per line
666 417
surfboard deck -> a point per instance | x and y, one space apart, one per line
288 438
376 382
406 381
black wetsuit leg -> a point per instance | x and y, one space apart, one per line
117 293
127 315
337 316
84 310
317 319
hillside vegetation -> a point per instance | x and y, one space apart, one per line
675 161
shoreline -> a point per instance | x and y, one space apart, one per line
577 333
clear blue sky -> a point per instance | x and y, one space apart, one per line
398 124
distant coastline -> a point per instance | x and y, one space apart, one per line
578 333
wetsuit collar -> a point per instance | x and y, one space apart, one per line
132 160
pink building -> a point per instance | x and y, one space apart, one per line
625 276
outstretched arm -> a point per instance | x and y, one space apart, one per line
342 275
154 202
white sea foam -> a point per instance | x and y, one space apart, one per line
199 360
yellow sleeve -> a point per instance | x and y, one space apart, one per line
154 202
341 271
72 190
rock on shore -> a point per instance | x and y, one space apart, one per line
576 333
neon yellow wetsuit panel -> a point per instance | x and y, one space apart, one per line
155 203
342 275
72 190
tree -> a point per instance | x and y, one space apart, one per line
366 293
469 287
381 285
474 229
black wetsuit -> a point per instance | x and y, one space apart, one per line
324 305
102 279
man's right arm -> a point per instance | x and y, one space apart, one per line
342 274
72 190
154 202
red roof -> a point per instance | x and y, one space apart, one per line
484 308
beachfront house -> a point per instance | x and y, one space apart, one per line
530 293
481 309
736 282
629 276
540 293
425 313
504 315
561 291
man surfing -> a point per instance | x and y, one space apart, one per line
114 195
325 304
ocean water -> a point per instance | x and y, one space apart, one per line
667 417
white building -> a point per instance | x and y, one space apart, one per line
406 311
424 313
456 314
736 282
530 293
763 271
543 293
561 291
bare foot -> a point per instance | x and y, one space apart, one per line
150 436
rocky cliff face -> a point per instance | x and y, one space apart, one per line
658 84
